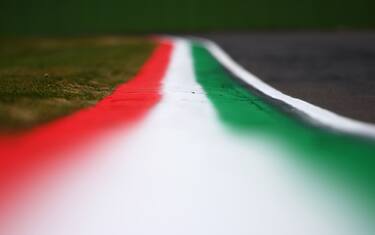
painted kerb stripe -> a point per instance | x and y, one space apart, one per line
49 145
316 114
348 159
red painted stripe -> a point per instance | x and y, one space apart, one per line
21 155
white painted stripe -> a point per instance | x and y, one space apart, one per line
316 114
183 173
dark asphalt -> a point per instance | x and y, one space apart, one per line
334 70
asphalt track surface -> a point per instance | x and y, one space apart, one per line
334 70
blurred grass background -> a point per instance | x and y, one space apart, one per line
72 17
42 79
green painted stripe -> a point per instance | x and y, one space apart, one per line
348 160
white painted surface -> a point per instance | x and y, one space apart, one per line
316 114
181 172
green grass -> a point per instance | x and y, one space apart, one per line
42 79
25 17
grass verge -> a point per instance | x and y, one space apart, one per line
43 79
